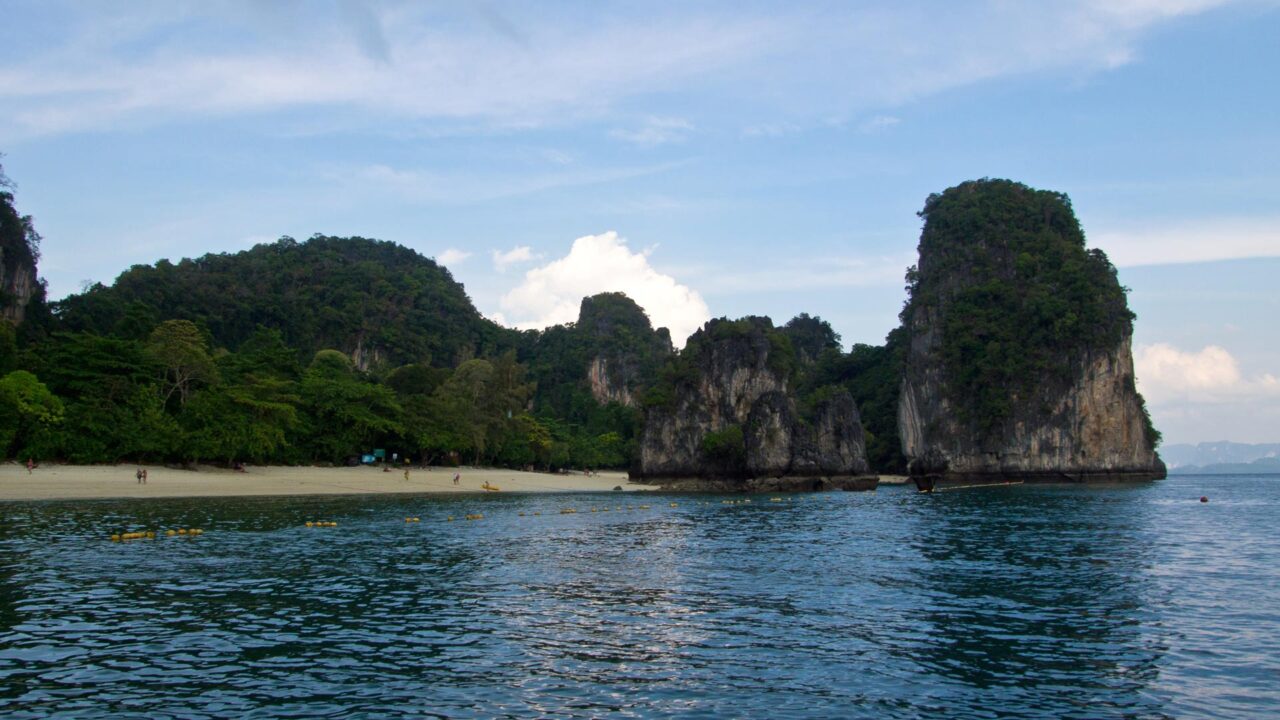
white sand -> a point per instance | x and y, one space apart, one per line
56 482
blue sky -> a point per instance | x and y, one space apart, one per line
708 158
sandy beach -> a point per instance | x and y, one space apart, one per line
71 482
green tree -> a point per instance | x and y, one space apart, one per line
179 349
345 415
27 408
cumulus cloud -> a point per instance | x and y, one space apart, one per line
551 294
1209 375
516 255
453 256
1204 395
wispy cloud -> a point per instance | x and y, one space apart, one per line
464 186
1192 241
878 124
426 62
656 131
805 275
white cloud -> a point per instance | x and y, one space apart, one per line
1195 241
552 294
656 131
452 256
1167 375
458 61
878 123
1204 395
518 254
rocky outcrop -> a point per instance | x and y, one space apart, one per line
624 349
18 285
18 250
730 421
1019 365
610 381
1094 429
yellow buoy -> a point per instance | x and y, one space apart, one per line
537 513
151 534
520 514
673 504
115 538
450 518
182 531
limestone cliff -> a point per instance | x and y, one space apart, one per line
727 418
1019 364
611 380
18 247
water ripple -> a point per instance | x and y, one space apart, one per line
1012 602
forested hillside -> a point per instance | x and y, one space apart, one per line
315 351
380 303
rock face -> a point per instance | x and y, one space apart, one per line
1019 364
731 421
18 242
611 381
625 350
18 284
1093 431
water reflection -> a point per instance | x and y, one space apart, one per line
1040 593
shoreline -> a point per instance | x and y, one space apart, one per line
109 482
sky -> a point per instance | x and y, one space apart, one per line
707 158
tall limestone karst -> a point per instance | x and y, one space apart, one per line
726 416
19 250
607 356
1019 364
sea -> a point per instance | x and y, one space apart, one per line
1122 601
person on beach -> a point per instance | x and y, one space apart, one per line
139 475
456 477
406 474
144 476
31 463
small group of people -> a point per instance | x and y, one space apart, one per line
142 476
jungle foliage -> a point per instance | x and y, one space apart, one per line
317 351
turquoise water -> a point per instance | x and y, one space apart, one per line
1133 601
